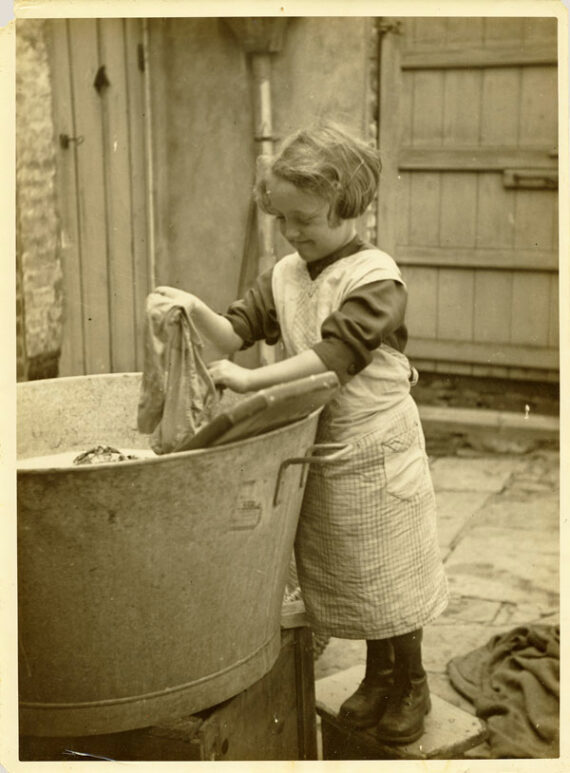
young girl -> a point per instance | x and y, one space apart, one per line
366 548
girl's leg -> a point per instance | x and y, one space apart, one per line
403 720
365 707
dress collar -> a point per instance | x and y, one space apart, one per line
317 266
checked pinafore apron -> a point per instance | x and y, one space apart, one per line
366 549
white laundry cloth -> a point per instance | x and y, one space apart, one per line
178 394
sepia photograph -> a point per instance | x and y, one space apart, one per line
288 346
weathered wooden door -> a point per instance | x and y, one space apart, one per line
468 200
99 92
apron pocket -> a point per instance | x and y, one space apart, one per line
405 465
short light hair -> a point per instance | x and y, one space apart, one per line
327 161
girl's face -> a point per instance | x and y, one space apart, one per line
303 220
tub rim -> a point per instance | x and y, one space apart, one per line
79 468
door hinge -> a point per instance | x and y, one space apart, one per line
65 140
140 57
101 81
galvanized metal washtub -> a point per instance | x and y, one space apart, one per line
151 588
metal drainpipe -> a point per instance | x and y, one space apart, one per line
149 153
261 69
260 37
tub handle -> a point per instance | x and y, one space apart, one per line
339 450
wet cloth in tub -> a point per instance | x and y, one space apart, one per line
177 394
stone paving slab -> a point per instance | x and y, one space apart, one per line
468 610
523 544
519 579
530 514
482 474
440 685
441 643
481 752
538 602
511 615
494 564
339 655
454 511
498 521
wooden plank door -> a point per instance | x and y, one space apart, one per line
98 70
468 200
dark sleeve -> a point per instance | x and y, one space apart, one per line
254 317
370 315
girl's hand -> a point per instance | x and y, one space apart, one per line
227 374
215 330
180 297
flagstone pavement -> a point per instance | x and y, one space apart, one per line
498 520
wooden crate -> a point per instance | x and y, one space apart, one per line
274 719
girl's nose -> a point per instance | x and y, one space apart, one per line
290 230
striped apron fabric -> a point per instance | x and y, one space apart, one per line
367 551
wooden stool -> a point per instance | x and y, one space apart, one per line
449 731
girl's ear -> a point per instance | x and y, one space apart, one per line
333 218
335 204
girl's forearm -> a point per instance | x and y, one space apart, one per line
305 364
215 328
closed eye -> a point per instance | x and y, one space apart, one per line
295 220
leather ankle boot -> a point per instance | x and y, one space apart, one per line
365 707
403 720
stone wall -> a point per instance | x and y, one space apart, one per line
39 290
203 127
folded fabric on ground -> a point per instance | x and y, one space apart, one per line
514 685
177 393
